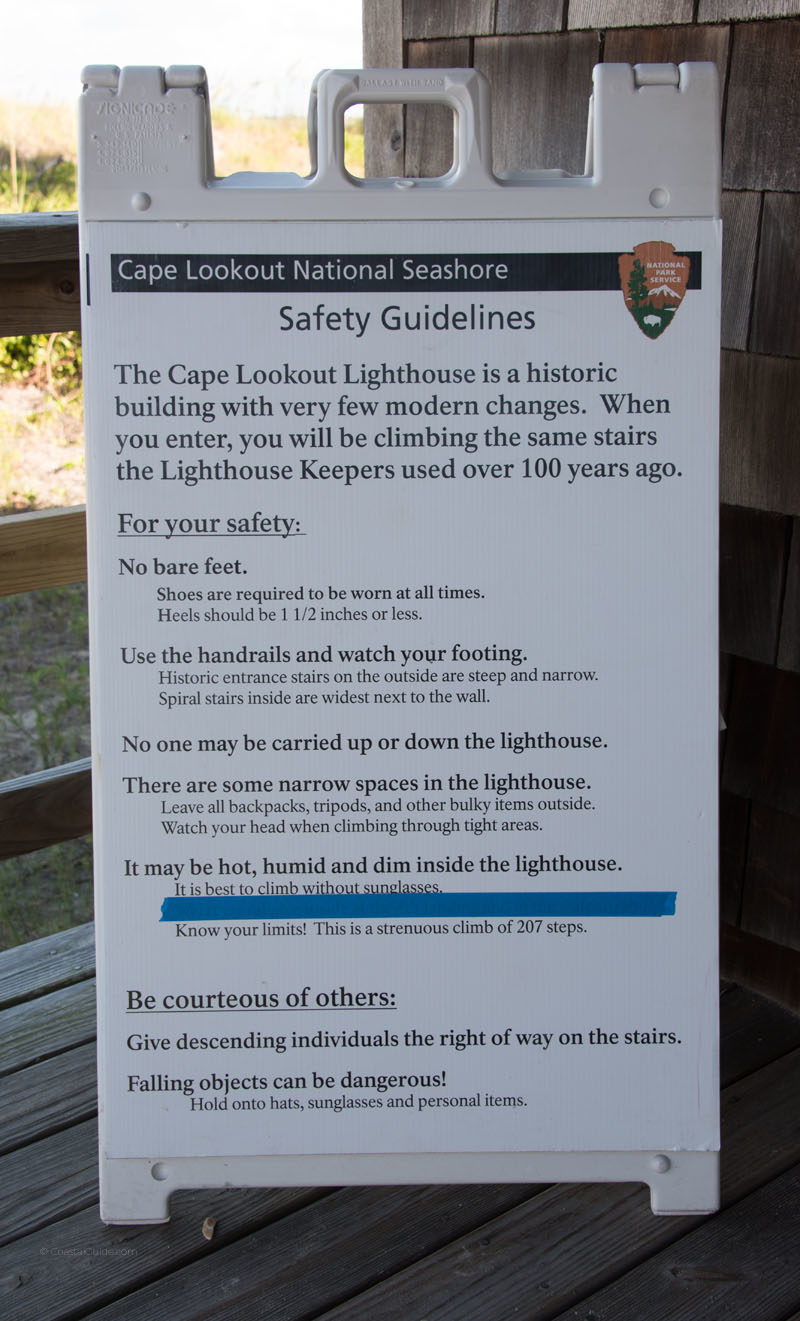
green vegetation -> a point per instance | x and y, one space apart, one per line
52 362
44 892
41 422
36 183
54 728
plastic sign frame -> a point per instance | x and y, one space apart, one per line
208 303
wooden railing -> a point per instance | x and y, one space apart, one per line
39 294
39 274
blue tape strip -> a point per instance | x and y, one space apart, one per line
277 908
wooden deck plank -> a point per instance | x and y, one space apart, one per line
527 1263
47 964
539 1258
740 1265
62 1270
303 1261
73 1265
62 1157
464 1254
47 1097
40 1028
58 1175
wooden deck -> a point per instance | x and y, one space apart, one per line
587 1252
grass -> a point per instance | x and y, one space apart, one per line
44 892
43 711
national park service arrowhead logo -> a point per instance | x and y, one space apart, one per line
653 279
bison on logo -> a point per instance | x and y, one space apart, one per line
653 279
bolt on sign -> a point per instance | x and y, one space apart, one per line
403 541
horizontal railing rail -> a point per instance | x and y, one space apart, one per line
46 807
44 548
39 273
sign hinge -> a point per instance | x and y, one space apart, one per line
656 75
191 76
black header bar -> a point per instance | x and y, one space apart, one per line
475 272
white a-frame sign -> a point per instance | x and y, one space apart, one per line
402 521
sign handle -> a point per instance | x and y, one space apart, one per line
465 91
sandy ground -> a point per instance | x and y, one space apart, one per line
41 450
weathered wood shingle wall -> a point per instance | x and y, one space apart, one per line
538 56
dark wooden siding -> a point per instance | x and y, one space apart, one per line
538 57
